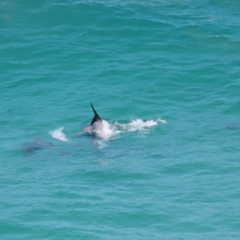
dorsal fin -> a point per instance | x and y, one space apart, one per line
96 116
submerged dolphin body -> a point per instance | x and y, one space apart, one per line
38 144
35 145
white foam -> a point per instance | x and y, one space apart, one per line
140 125
59 134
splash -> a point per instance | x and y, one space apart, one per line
59 134
140 125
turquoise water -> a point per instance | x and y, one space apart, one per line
172 63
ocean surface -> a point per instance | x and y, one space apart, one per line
165 74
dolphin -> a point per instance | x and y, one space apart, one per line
96 123
35 145
38 144
97 127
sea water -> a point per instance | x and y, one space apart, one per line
165 75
